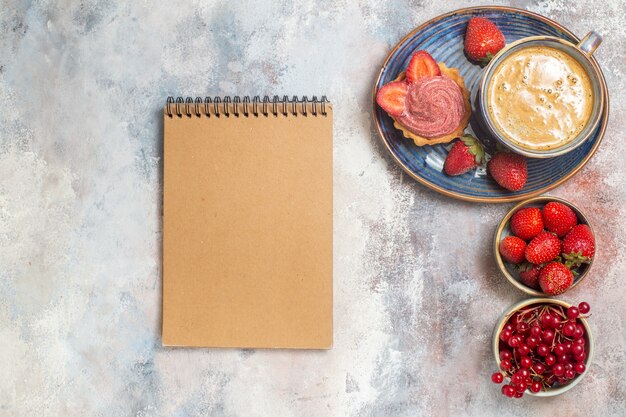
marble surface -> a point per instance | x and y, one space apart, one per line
416 290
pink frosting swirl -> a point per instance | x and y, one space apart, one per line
434 107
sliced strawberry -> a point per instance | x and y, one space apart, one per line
421 65
392 97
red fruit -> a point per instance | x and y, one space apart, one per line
508 390
466 154
584 307
392 97
579 367
545 247
527 223
497 378
509 170
579 246
529 275
558 218
512 249
421 65
555 278
535 386
483 39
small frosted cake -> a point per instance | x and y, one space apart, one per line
428 103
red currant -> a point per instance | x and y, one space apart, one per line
547 336
532 341
556 322
579 368
584 307
578 333
505 354
516 378
514 341
569 373
497 378
543 350
559 349
577 349
525 362
508 390
569 329
505 335
535 386
558 369
581 357
522 327
523 350
550 359
535 331
505 365
508 327
546 320
572 313
539 368
563 359
580 341
519 394
525 373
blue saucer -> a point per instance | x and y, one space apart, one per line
443 38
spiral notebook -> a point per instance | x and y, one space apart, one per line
247 223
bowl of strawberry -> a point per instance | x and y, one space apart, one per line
544 246
542 347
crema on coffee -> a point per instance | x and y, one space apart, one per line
539 97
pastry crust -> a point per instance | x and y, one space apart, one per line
453 73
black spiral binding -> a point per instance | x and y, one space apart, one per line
238 107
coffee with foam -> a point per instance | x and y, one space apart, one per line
540 98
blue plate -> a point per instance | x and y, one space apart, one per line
443 38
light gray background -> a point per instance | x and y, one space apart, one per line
416 290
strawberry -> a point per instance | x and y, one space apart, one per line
422 65
483 39
466 154
558 218
529 275
579 246
545 247
392 97
509 170
527 223
512 249
555 278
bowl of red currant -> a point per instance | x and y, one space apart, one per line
542 347
544 246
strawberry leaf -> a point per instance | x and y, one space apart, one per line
475 147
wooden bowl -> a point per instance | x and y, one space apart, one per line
504 230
